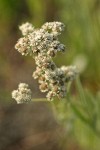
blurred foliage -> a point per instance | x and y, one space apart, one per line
80 116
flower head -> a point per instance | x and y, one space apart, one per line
26 28
22 94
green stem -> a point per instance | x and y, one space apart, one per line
39 100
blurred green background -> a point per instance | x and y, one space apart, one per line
81 37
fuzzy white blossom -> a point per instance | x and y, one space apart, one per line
70 72
26 28
23 46
55 27
22 94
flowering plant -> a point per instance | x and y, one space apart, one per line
42 45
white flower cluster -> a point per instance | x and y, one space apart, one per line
26 28
22 94
43 45
43 40
54 81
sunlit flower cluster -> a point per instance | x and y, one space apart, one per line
26 28
43 44
22 94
